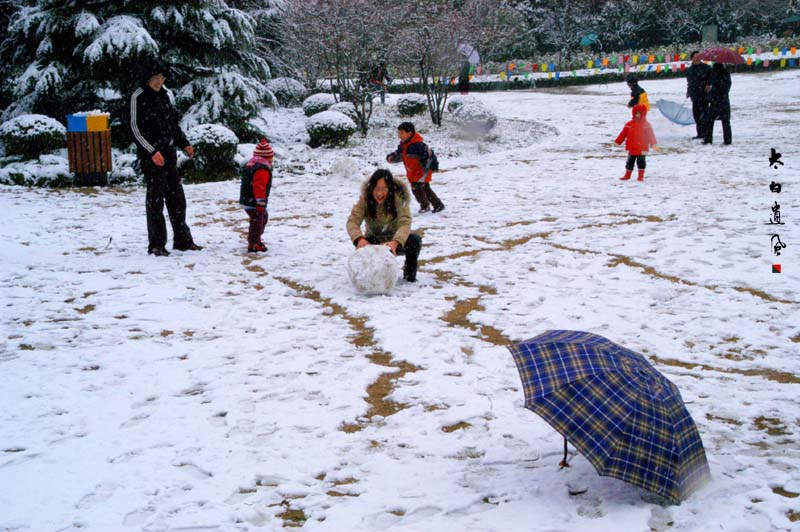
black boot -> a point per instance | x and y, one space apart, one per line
189 247
411 249
158 252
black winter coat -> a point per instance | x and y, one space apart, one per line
696 80
720 107
155 121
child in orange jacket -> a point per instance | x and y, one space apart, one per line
639 138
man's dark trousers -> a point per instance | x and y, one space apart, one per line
164 186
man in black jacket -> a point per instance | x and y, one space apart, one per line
155 124
697 77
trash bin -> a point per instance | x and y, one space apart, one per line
89 148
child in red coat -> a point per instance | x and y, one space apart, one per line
639 138
254 193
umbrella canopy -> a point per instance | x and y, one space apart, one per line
470 53
625 417
589 39
675 112
721 55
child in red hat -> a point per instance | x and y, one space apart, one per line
254 193
639 138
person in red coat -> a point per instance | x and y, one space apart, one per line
420 162
254 193
639 138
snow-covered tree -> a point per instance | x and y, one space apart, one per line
430 36
342 41
67 55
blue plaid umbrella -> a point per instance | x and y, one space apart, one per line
618 411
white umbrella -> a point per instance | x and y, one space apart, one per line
470 53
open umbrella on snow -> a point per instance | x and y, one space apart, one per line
624 416
676 112
721 55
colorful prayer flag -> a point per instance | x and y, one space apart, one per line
683 56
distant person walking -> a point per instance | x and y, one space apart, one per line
155 124
697 77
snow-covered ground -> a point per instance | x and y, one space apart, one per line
221 391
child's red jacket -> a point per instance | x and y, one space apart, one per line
637 133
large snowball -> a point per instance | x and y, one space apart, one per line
373 270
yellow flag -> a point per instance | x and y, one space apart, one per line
589 63
783 63
776 51
683 56
635 59
549 75
503 76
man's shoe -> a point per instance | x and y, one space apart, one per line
190 247
440 208
424 209
158 252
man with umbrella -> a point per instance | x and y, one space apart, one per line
696 79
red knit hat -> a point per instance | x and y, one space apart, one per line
263 149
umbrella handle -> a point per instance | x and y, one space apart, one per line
564 462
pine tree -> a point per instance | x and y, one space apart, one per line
68 56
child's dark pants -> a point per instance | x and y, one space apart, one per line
640 161
258 221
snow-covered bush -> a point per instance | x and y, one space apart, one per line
46 171
329 128
32 135
373 270
289 92
346 108
346 167
316 103
454 102
412 104
215 149
474 118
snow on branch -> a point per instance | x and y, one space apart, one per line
121 37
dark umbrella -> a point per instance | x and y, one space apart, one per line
721 55
618 411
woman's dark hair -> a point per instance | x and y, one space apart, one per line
408 127
372 205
